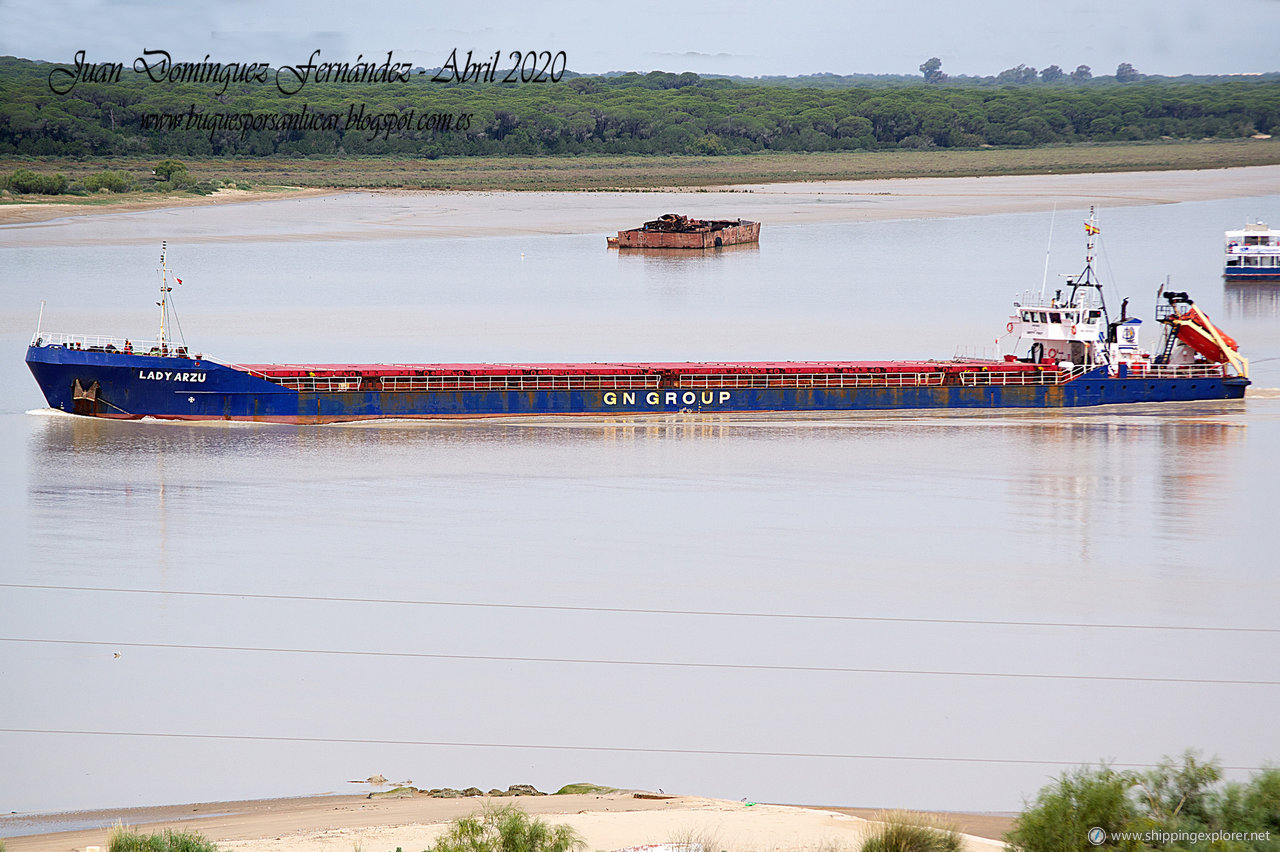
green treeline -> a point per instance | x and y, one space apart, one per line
655 113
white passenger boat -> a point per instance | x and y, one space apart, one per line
1253 253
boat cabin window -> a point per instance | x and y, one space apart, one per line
1055 317
1094 316
1044 317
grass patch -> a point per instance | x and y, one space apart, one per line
507 829
637 172
696 840
903 831
395 793
584 789
127 840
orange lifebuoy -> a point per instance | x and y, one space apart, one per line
1053 353
1009 327
1073 329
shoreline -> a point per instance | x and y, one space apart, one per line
22 212
251 216
606 820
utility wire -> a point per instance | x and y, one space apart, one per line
641 750
562 747
645 611
650 663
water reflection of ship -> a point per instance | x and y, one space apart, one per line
1066 485
1251 300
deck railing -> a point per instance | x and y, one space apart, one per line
317 384
103 343
974 378
404 384
810 380
1179 371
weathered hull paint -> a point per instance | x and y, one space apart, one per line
135 386
732 235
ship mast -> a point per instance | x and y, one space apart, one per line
163 304
1087 278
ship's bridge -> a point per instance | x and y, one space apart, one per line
1054 331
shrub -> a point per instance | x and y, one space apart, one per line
125 840
27 181
110 181
506 829
1065 811
904 832
1175 801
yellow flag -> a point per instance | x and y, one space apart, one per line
1091 229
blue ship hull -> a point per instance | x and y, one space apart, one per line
1252 273
116 385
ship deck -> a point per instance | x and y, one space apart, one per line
640 368
655 375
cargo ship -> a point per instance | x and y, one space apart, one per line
673 231
1252 253
1067 352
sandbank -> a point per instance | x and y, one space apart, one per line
391 214
609 821
42 211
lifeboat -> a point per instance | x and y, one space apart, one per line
1197 331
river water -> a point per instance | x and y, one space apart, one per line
896 609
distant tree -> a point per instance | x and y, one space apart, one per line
171 170
1021 74
1082 73
1126 73
1052 73
932 71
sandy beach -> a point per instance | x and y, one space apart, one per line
391 214
611 821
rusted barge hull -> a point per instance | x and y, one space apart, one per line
688 234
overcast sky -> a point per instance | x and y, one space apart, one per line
747 37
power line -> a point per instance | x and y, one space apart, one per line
650 663
645 611
563 747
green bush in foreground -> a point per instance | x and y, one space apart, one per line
125 840
904 832
506 829
1176 806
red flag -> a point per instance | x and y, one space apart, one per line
176 278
